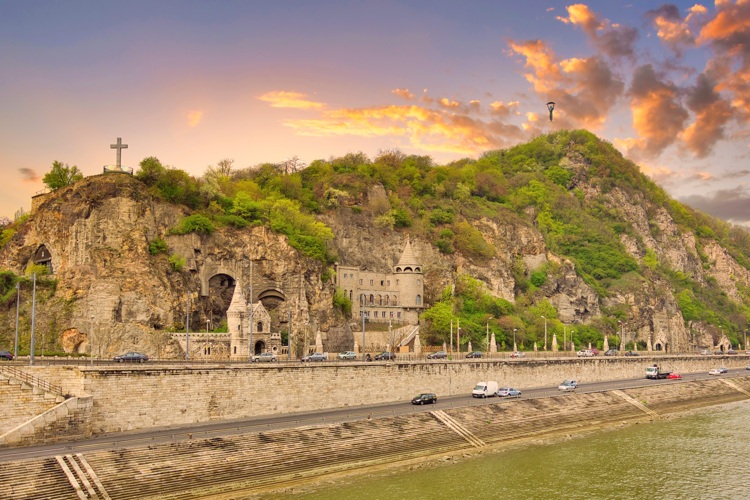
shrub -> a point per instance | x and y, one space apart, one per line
342 302
176 262
157 246
194 224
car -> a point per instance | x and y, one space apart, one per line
731 351
517 354
585 353
265 357
611 352
385 356
131 357
438 355
508 392
316 356
474 354
718 371
674 376
705 352
6 355
347 355
631 353
424 398
568 385
748 367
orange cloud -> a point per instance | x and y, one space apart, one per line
671 27
658 117
613 40
584 89
436 130
194 118
712 113
403 93
284 99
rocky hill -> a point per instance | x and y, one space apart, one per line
562 228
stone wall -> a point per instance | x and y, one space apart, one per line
138 397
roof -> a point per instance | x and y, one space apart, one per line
407 256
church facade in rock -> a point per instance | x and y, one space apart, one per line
249 323
395 297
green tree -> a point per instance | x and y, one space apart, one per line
61 175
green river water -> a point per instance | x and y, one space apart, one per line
699 456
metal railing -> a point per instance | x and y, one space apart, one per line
32 380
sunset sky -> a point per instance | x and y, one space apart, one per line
193 83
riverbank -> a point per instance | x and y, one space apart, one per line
247 465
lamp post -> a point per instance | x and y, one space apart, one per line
187 327
91 342
362 312
33 321
18 301
551 108
622 334
514 340
545 332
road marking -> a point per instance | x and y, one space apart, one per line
635 403
735 386
458 428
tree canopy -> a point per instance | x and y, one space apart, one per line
61 175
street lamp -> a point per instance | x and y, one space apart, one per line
33 321
18 301
622 333
551 108
545 332
515 348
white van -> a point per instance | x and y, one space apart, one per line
485 389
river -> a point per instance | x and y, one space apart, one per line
704 455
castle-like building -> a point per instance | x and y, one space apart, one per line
396 297
244 320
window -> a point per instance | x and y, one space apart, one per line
387 300
396 282
360 281
372 299
419 300
371 281
391 314
235 349
260 326
350 295
398 314
389 282
382 282
380 300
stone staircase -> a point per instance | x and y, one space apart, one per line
21 400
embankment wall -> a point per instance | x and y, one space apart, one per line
143 396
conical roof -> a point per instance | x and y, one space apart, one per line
407 256
238 299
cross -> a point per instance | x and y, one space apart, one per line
119 147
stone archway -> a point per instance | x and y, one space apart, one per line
259 347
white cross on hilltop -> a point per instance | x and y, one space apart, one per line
119 147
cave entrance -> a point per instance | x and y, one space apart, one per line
216 303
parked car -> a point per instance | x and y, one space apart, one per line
385 356
674 376
438 355
585 353
568 385
508 392
348 355
631 353
316 356
424 398
517 354
748 367
705 352
731 351
474 354
131 357
611 352
6 355
718 371
265 357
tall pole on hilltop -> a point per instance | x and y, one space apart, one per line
33 320
18 301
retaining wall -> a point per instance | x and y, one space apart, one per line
143 396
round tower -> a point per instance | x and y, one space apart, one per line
410 283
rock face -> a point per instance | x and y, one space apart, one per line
112 294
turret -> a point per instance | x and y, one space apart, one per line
409 279
238 316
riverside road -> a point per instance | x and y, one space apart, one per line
287 421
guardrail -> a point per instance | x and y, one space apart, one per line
32 380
